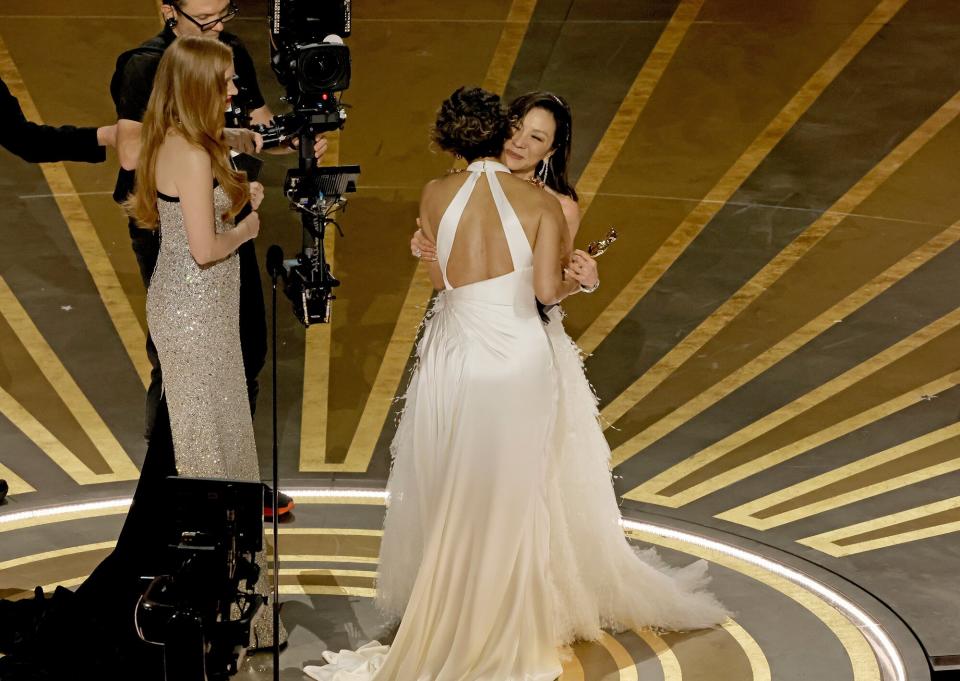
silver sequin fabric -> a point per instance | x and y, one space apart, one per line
193 316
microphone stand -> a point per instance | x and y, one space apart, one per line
275 269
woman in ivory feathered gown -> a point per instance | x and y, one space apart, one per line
502 540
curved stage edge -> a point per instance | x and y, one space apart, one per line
792 619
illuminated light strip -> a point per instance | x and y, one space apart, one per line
52 512
883 647
334 495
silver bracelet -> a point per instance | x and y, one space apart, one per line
584 289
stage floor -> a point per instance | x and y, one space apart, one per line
792 620
774 343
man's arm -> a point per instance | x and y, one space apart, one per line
128 143
44 143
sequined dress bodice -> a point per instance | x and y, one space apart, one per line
175 250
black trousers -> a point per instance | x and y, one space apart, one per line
253 318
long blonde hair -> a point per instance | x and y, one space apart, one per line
189 96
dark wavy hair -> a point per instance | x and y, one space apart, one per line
472 123
562 139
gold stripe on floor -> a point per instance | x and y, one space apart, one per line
852 302
863 662
775 269
572 668
921 522
315 405
15 484
885 471
320 590
759 666
508 47
48 443
665 656
384 389
73 398
626 666
75 216
58 553
661 489
744 166
634 102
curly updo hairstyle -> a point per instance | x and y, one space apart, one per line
472 123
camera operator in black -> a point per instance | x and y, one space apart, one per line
130 87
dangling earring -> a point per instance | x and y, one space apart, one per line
544 170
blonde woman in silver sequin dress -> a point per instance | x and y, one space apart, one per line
186 184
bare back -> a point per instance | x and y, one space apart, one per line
481 248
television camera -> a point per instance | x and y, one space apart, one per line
201 607
313 65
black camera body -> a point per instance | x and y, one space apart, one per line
200 609
311 62
313 65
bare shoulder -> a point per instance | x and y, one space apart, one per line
189 157
549 201
432 193
177 143
521 188
185 165
440 191
431 187
570 208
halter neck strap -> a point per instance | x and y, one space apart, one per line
480 166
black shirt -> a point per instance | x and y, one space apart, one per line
133 81
44 143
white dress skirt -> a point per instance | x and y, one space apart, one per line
502 540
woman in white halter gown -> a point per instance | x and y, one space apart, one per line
502 540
